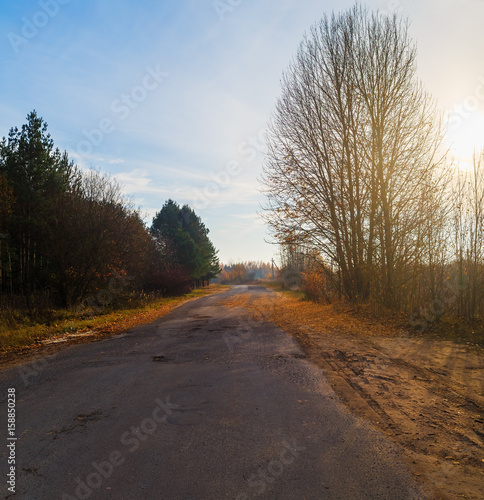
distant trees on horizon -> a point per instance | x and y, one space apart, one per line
244 272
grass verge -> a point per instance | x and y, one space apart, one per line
291 312
370 319
64 325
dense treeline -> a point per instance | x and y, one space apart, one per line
185 253
67 234
359 191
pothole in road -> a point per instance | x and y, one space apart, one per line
80 421
160 358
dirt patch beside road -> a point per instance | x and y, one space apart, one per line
428 395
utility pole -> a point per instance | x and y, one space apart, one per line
274 264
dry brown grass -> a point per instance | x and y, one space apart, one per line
298 316
22 338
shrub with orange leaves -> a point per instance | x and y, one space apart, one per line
314 283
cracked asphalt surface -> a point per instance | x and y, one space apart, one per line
205 403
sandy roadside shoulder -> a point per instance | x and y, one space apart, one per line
427 395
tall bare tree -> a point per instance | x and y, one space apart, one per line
353 151
468 239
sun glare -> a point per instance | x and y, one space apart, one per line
465 135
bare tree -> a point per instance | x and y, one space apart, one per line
353 151
98 234
468 239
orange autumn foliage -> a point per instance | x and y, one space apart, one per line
314 284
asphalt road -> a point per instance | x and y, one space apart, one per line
202 404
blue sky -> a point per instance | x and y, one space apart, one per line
172 97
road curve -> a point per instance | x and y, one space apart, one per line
203 404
